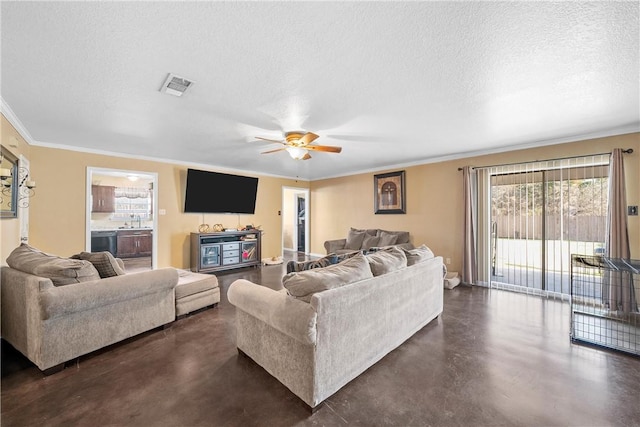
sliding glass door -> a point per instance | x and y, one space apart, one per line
516 229
540 214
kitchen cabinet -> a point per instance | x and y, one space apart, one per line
134 243
104 198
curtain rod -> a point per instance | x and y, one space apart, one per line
627 151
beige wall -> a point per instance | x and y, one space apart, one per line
58 211
434 200
434 197
10 227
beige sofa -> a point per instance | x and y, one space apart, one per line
54 324
367 239
316 348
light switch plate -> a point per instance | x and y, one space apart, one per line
632 210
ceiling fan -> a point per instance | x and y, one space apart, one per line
298 144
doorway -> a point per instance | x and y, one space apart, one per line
121 216
295 221
301 222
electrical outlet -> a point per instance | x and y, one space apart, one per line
632 210
448 261
162 211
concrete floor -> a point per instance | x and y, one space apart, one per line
493 358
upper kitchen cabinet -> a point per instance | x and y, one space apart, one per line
103 198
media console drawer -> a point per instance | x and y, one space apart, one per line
230 260
230 246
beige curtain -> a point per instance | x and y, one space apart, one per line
469 262
482 217
619 291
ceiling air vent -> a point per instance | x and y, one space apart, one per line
175 85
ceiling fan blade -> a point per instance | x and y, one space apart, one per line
306 157
308 138
270 140
273 151
326 148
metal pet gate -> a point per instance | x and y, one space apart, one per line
604 306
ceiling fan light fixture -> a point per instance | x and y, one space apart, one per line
296 153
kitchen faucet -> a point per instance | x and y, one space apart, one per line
136 218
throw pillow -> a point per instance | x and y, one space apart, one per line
382 262
387 239
294 266
342 257
304 284
104 262
61 271
401 236
355 239
370 242
419 254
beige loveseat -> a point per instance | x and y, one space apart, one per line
314 348
367 239
52 324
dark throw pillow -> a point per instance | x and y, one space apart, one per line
104 262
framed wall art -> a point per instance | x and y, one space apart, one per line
389 193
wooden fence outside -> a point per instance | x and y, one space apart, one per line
577 228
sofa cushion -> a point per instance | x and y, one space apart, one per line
106 264
61 271
387 239
370 242
355 239
386 260
304 284
419 254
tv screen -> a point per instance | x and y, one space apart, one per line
213 192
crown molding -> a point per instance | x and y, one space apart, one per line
22 130
621 130
15 121
161 160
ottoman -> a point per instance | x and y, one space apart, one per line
195 291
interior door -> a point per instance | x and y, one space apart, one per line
301 221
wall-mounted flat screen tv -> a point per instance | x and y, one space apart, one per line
214 192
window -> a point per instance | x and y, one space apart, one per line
132 203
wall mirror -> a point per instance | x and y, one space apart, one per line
9 184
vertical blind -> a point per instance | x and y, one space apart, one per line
538 214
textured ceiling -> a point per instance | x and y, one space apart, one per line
393 83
